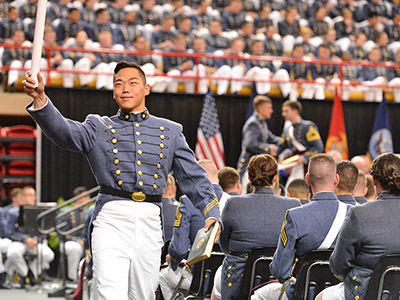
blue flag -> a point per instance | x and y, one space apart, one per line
250 110
381 137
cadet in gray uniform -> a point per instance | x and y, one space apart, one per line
306 228
131 155
257 138
348 176
239 235
187 223
369 231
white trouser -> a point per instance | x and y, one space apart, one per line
104 80
317 88
262 87
217 282
74 253
373 93
150 69
4 243
270 291
126 247
288 43
334 292
287 88
169 279
173 82
16 262
202 72
66 64
344 43
84 64
14 74
228 72
396 91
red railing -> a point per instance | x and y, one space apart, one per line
197 77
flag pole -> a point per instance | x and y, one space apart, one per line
38 37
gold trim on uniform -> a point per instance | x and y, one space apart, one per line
137 133
115 150
118 171
139 142
139 162
312 134
127 117
283 232
158 166
113 130
116 161
155 186
162 137
161 145
156 176
162 128
178 216
119 182
139 152
140 183
140 172
137 124
161 155
114 141
110 126
211 205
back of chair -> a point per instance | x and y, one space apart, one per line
203 276
314 275
256 270
385 279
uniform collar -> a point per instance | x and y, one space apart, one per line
386 195
348 199
137 117
325 196
263 190
299 120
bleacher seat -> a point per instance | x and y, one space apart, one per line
20 131
21 168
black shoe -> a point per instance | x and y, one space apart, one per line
32 279
3 279
11 88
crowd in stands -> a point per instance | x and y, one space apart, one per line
335 31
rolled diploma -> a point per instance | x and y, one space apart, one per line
38 37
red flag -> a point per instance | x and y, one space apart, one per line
337 138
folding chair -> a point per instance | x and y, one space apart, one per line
314 275
256 270
385 279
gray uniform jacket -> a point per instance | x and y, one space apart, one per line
303 230
250 221
368 232
256 140
131 152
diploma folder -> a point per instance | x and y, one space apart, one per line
202 245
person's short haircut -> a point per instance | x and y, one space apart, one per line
72 9
348 176
15 192
321 170
259 100
124 64
293 104
79 190
324 46
228 177
170 182
100 11
298 188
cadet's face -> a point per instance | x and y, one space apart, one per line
289 114
130 90
265 110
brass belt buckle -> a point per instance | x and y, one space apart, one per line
138 196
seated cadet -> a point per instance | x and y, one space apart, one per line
272 43
246 32
24 244
393 29
321 73
374 75
176 66
9 24
262 21
74 244
185 28
88 11
231 68
128 29
306 36
229 180
256 137
68 28
162 39
102 24
56 61
369 232
319 26
149 18
239 235
202 19
169 206
58 11
188 221
394 77
306 228
358 53
117 11
289 29
382 41
346 30
290 71
299 189
351 74
15 58
371 30
216 41
348 176
334 46
360 190
233 19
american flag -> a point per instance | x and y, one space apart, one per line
209 140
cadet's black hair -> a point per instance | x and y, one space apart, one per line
124 64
